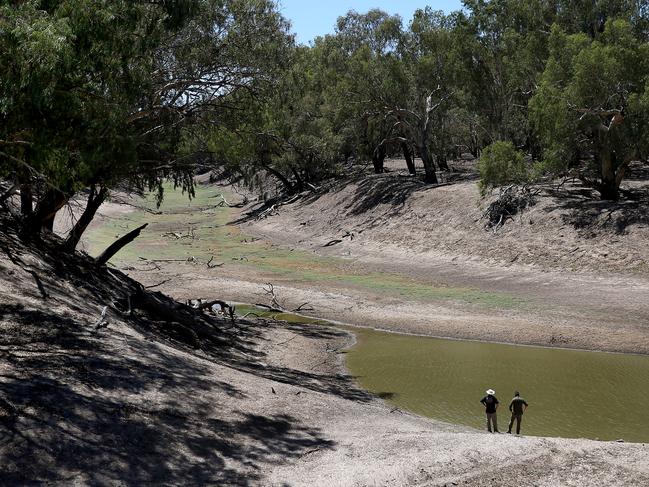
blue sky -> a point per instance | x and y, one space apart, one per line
312 18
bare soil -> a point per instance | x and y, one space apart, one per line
577 266
261 403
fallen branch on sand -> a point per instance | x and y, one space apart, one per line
269 211
209 305
333 242
213 266
157 285
303 307
274 302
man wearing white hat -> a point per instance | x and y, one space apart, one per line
490 403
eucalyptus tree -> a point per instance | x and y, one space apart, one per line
372 79
593 103
427 58
504 45
102 94
287 135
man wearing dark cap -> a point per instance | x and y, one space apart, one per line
490 403
517 407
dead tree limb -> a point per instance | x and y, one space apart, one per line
225 307
270 291
118 245
333 242
157 285
303 307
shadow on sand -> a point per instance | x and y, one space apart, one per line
73 398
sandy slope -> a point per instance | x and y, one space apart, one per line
124 406
586 283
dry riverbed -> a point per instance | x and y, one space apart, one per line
331 436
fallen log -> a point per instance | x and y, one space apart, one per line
182 321
118 245
224 306
332 242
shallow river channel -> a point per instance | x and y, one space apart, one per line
572 394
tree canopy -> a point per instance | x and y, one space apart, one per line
97 96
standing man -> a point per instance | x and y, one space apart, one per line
517 408
490 403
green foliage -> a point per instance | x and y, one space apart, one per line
591 101
127 94
105 93
501 163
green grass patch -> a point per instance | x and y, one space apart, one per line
203 232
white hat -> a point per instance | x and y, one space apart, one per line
491 392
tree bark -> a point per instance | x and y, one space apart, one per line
607 187
43 216
442 162
407 155
378 158
290 189
95 200
118 245
26 199
299 183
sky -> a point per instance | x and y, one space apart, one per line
313 18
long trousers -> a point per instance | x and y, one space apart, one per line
518 418
492 419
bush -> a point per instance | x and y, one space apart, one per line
501 163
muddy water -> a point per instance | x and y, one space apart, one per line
573 394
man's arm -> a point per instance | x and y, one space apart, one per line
511 405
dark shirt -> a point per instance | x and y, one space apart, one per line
516 406
490 403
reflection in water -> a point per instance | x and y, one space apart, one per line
571 393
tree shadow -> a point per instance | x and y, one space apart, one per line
372 190
80 404
383 189
76 411
583 211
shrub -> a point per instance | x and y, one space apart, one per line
501 163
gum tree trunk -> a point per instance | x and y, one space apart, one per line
95 200
378 158
407 155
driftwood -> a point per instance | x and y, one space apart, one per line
303 307
157 285
224 307
269 211
118 245
181 321
333 242
274 303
